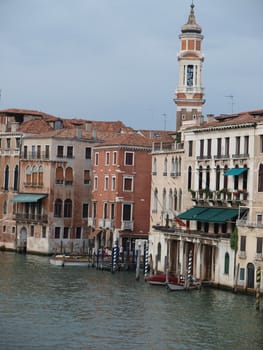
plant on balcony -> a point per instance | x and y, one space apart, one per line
193 193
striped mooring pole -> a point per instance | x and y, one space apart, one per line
146 258
189 269
258 288
115 258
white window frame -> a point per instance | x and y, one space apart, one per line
113 183
132 183
107 158
106 182
96 181
125 158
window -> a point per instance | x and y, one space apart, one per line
219 147
207 180
242 274
105 210
85 210
201 148
69 176
106 183
40 175
5 207
112 211
155 201
6 178
17 142
96 158
200 178
60 151
209 148
164 199
59 175
237 145
70 152
165 167
32 230
78 232
227 143
129 158
190 148
170 201
47 151
38 152
243 243
189 180
127 184
113 183
8 143
261 144
34 175
58 208
190 75
226 268
16 178
86 177
218 178
172 167
0 143
114 159
259 245
259 220
44 231
28 175
154 172
88 152
68 208
126 212
107 158
4 228
66 233
25 152
57 232
95 183
246 145
260 178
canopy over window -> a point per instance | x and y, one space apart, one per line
216 215
28 198
235 171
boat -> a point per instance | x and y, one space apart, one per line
181 285
161 279
70 260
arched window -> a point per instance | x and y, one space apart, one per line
225 177
58 208
69 176
200 179
207 180
164 199
173 167
16 178
179 166
155 200
68 208
6 177
245 179
59 175
40 175
165 167
170 199
28 174
175 199
180 200
5 207
176 166
260 178
34 175
154 166
189 180
226 269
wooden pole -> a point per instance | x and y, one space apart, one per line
258 288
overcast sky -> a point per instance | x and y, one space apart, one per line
117 59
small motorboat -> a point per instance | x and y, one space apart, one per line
182 285
70 260
161 279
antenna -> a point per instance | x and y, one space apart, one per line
164 120
232 102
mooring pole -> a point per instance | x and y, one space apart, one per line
138 263
258 288
189 269
145 259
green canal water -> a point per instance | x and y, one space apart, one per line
47 307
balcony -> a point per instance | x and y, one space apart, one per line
127 225
221 156
240 156
30 217
204 157
259 257
242 254
34 156
106 223
91 222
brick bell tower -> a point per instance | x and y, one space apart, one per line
189 92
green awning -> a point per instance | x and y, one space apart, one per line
216 215
235 171
28 198
192 213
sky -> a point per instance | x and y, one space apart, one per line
117 59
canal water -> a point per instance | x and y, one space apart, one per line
48 307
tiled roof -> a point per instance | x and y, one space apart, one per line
16 111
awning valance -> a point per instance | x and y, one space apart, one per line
216 215
235 171
28 198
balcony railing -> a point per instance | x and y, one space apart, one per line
204 157
242 254
106 223
127 225
240 156
29 217
91 222
35 156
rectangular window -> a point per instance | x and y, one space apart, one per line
78 232
190 148
259 245
107 158
242 274
32 230
8 143
47 151
33 153
57 232
25 152
86 177
17 142
227 143
114 159
44 231
129 158
126 214
105 211
96 158
106 183
201 148
259 220
238 145
209 147
60 151
219 147
243 243
88 152
113 183
112 211
95 183
246 145
38 151
85 210
0 143
70 152
127 184
66 232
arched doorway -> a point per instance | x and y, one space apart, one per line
250 275
22 241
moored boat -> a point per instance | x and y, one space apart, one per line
161 279
69 260
180 286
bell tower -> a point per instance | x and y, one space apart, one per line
189 92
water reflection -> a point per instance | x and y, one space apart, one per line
44 306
